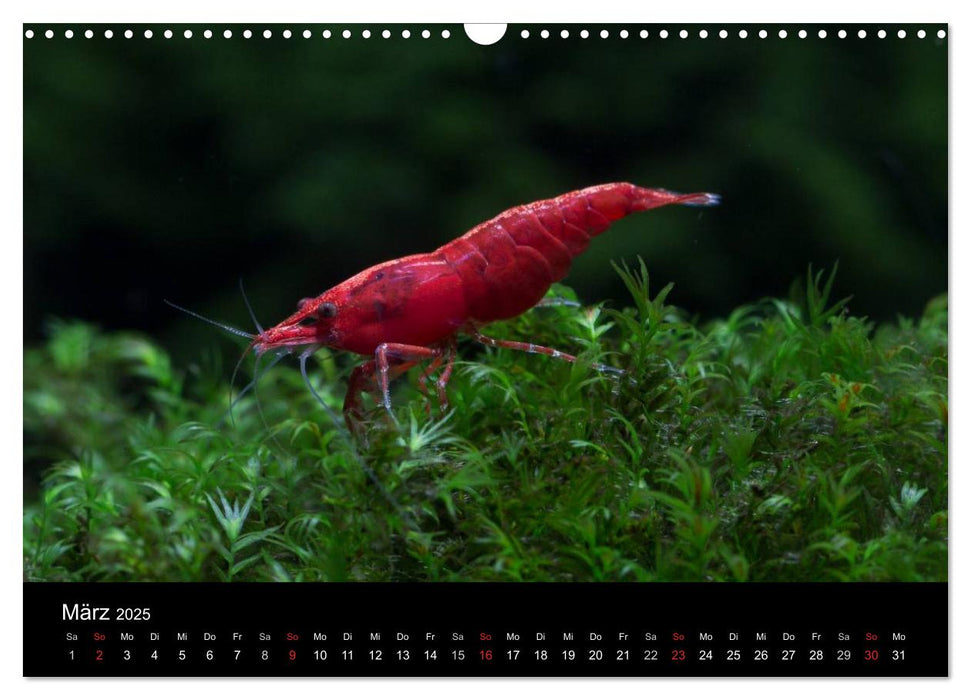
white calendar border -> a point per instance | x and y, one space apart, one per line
11 280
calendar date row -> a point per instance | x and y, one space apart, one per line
675 655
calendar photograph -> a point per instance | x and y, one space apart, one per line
585 304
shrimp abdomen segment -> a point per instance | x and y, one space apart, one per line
500 278
509 262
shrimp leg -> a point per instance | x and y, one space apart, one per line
400 354
427 373
538 350
362 381
447 356
390 360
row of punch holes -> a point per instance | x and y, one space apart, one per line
725 33
246 34
524 34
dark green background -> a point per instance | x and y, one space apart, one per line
170 168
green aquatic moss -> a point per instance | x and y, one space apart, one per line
791 441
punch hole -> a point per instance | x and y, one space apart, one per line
485 34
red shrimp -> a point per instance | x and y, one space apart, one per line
412 309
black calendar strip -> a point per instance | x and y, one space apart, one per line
485 630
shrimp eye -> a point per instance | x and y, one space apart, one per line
327 310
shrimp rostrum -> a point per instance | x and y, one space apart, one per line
411 310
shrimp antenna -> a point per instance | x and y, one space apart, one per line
248 307
228 329
306 380
232 383
246 389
